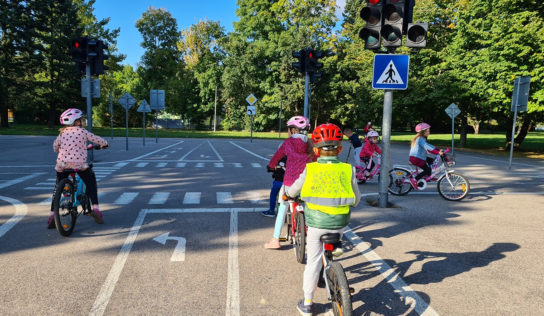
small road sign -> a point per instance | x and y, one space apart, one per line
156 99
390 72
453 110
520 96
95 88
144 107
127 101
251 99
251 110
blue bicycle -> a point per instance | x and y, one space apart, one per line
71 193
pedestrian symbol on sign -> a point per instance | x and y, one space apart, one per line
390 75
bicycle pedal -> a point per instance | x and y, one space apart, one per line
283 239
351 290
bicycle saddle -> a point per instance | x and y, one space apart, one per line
330 238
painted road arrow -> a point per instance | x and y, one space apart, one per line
179 251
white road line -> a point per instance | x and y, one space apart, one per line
237 165
200 165
159 198
126 198
161 165
192 198
389 274
187 154
233 279
504 161
249 152
20 212
120 165
218 164
224 198
47 183
142 164
256 165
39 188
19 180
151 153
181 164
215 151
254 197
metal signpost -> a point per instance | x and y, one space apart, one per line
390 73
452 112
520 98
251 111
156 102
90 88
127 101
144 108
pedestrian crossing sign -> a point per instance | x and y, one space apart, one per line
390 72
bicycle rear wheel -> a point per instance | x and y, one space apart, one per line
453 187
300 237
339 290
399 183
64 213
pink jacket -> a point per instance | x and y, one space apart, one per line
369 149
71 146
296 150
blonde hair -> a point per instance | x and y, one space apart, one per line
418 135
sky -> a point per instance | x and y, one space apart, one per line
125 13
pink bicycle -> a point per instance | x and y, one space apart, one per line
363 176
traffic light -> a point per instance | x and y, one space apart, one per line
301 56
372 15
78 50
416 35
98 67
393 11
313 66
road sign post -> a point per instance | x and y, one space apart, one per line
251 111
452 110
156 100
144 108
127 101
520 99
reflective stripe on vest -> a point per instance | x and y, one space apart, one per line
327 187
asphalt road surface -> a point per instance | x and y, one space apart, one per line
183 235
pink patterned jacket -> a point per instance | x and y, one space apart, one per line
71 146
296 150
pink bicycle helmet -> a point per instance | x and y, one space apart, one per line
372 134
421 127
69 116
299 122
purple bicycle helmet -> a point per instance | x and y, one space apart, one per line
422 126
69 116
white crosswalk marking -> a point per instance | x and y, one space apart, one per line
192 198
120 164
224 198
200 165
237 165
254 197
159 198
161 165
142 164
256 165
218 164
181 164
126 198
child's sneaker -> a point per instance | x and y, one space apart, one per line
97 215
51 221
367 173
274 243
414 183
305 310
268 213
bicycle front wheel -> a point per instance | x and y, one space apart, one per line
453 187
399 181
64 213
300 237
339 290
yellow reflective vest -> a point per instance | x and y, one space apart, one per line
327 187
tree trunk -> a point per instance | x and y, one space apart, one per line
3 107
524 129
463 134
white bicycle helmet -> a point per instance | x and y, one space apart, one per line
372 134
69 116
299 122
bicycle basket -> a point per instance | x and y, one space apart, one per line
449 159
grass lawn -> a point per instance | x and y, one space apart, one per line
532 146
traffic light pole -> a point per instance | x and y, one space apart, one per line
386 151
89 105
306 95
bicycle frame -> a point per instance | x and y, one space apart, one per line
376 171
438 170
294 208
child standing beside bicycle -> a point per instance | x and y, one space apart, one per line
418 152
71 146
329 187
356 143
297 150
370 149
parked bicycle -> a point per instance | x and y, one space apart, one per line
296 227
336 283
69 194
451 186
361 175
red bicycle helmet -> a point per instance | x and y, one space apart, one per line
326 135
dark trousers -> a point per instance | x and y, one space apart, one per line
276 185
88 178
426 169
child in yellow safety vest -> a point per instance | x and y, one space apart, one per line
328 187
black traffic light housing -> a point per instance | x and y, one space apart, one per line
301 56
313 66
416 35
97 66
372 15
394 13
78 50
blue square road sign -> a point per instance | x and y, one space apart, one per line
390 72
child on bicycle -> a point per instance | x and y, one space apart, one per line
277 174
328 187
370 149
418 152
71 146
298 151
356 143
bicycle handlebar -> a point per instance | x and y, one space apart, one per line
96 147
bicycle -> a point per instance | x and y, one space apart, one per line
296 227
336 283
69 194
451 186
360 171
